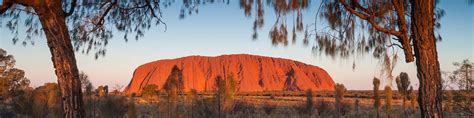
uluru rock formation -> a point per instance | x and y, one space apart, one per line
253 73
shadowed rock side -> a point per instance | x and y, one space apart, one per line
253 73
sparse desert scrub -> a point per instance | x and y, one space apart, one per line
376 83
388 100
340 92
280 106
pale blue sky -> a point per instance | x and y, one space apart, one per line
223 29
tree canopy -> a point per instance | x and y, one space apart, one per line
91 23
12 80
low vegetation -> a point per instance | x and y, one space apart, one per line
18 99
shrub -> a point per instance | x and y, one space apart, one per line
357 106
192 96
151 93
225 92
132 110
113 106
205 108
340 92
173 87
402 84
268 108
323 107
345 108
388 100
448 103
47 101
376 83
309 102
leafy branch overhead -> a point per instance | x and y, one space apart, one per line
91 23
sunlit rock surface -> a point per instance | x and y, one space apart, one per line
253 73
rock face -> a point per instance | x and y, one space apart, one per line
253 73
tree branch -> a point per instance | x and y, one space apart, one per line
402 27
71 10
394 44
102 17
154 15
368 19
4 7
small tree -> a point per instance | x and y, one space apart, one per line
230 89
12 80
85 84
463 78
220 84
225 92
151 93
192 97
403 82
309 102
87 90
340 92
376 83
463 75
388 100
172 87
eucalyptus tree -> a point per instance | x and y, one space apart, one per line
407 24
368 26
78 25
12 80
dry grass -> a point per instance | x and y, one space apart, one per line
291 104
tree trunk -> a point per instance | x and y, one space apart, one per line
428 71
52 19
